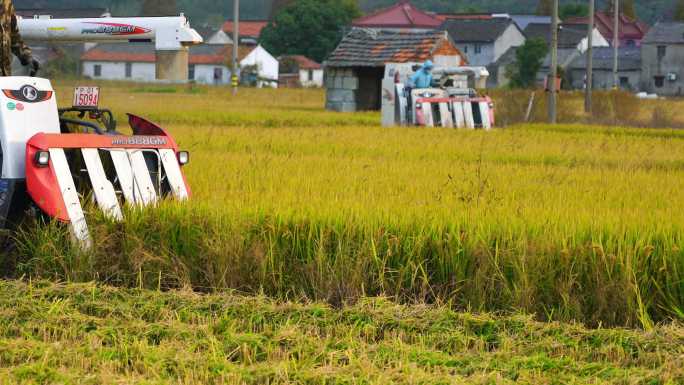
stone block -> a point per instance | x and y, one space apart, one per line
340 95
350 82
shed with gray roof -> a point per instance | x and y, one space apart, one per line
355 69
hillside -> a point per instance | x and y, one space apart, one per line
214 11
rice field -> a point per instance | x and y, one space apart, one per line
567 223
89 334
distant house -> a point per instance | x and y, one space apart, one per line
354 71
484 40
569 35
662 55
566 56
524 20
208 64
213 36
249 30
629 69
300 71
630 31
401 15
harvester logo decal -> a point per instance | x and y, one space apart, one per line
114 29
28 94
139 141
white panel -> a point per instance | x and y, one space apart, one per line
427 114
468 113
445 115
484 111
173 174
122 165
458 114
79 227
102 187
142 181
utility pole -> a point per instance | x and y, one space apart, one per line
616 42
590 59
554 64
236 42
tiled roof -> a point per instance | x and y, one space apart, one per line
629 59
628 28
666 33
401 15
477 30
246 28
569 36
365 47
145 53
303 62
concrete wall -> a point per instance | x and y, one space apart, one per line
603 79
204 74
141 72
305 80
485 57
512 37
341 86
671 63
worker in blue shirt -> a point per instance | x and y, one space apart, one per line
423 77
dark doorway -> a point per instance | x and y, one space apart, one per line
368 96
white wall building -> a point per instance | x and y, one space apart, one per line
305 71
208 64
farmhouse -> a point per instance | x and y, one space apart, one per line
630 31
402 15
354 71
208 64
300 71
569 36
484 40
662 55
249 30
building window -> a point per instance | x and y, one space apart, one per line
129 70
97 70
662 51
624 82
659 81
465 48
478 49
631 43
311 75
218 74
191 72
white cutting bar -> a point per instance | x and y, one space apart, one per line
102 187
173 174
484 112
79 227
445 115
143 186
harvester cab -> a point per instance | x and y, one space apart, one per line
452 102
62 161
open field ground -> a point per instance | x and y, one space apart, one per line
88 334
567 223
301 217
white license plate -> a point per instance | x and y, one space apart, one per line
86 96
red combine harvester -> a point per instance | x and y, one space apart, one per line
58 161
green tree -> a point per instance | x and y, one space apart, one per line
679 11
573 10
159 8
308 27
528 61
626 8
545 7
